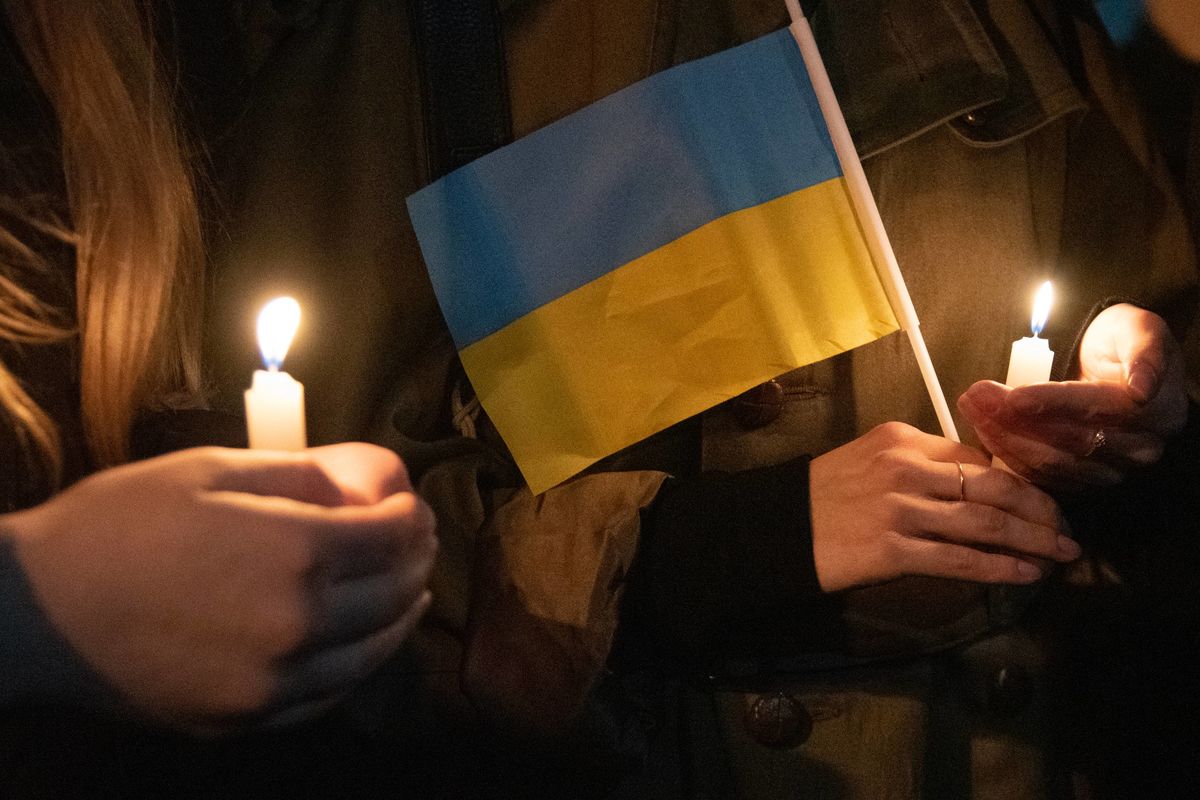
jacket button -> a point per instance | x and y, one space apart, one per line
778 720
974 119
760 406
1009 691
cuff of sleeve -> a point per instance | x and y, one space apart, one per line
36 663
726 566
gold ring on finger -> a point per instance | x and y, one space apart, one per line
962 482
1098 443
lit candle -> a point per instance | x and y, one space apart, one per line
275 400
1031 358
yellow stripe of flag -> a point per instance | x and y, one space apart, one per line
736 302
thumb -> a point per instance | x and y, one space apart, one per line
1143 354
1128 345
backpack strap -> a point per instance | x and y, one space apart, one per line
464 88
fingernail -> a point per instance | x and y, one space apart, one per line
1069 548
984 401
1143 380
1028 571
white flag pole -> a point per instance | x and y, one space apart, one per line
868 214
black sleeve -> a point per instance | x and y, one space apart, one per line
36 664
160 432
1158 501
1148 530
725 569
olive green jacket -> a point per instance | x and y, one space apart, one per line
996 161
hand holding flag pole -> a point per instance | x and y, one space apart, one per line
868 213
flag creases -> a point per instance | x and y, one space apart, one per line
605 283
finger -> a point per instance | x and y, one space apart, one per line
1143 351
948 481
983 397
363 606
1122 448
365 473
352 609
1166 415
985 526
274 474
1098 403
988 486
1069 435
334 669
948 560
1043 463
1125 446
402 531
301 712
349 541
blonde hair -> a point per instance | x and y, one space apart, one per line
134 225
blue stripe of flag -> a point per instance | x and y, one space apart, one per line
567 204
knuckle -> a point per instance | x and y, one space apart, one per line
1049 464
892 543
208 455
1009 483
212 464
965 561
1045 510
1038 463
992 523
1000 569
892 431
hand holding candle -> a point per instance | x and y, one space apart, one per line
1130 385
275 400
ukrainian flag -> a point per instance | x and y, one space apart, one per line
650 256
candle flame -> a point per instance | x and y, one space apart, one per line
277 324
1041 308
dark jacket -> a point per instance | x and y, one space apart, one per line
1001 147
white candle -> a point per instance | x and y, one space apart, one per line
1031 359
275 400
